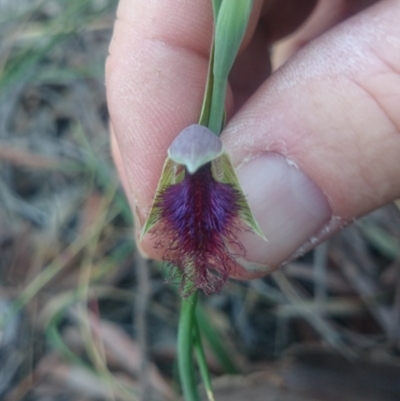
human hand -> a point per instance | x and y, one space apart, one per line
316 145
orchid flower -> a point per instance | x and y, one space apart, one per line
198 209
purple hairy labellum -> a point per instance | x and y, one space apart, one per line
198 209
198 214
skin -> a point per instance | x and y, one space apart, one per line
337 86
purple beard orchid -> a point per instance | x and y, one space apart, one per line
198 210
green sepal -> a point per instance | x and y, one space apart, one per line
172 173
223 171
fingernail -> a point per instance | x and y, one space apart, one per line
289 207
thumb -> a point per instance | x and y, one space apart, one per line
319 143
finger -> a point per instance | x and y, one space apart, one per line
155 76
326 14
252 66
318 145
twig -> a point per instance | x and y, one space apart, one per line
396 307
319 323
18 206
320 272
366 289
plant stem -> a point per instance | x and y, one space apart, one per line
217 110
202 362
185 348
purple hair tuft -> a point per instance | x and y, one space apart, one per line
198 217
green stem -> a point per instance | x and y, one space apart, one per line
216 344
202 362
185 348
217 110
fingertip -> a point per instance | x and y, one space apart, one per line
177 23
334 125
155 85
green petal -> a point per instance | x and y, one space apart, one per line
195 146
223 171
171 174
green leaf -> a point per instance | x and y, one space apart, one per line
231 24
216 6
215 340
202 361
233 17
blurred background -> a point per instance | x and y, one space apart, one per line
83 317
